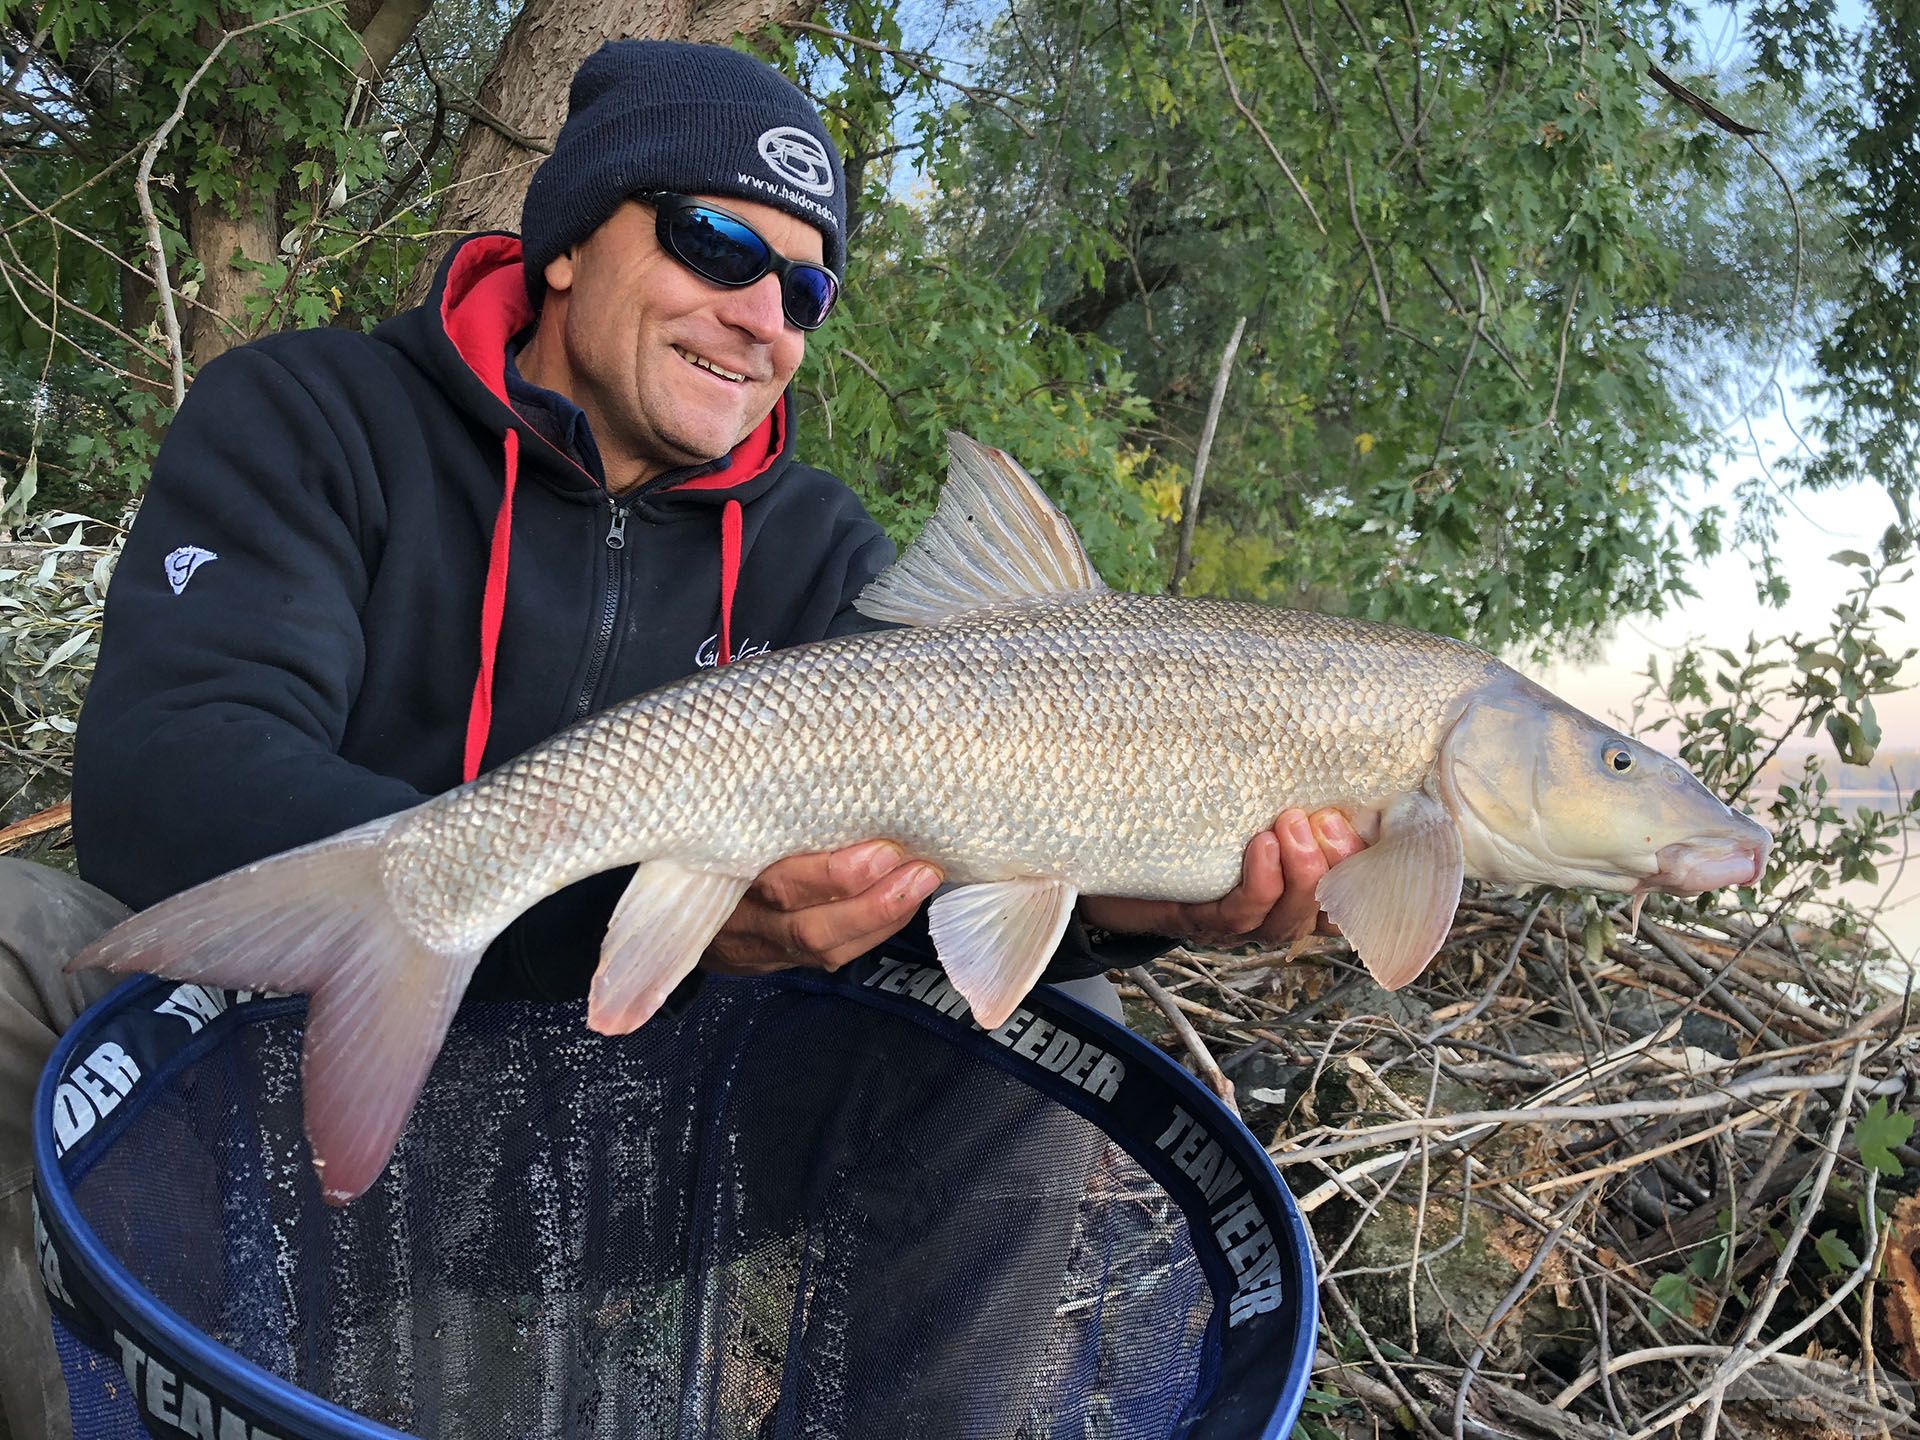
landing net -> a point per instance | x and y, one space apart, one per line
808 1206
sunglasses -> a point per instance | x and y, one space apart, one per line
725 249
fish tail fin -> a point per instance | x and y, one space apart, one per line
318 920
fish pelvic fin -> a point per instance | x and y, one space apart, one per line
996 938
659 930
994 537
1395 900
318 920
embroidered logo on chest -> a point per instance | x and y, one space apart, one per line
708 654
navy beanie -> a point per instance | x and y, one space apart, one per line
696 119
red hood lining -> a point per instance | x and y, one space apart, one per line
484 305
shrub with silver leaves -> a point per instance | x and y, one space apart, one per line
52 594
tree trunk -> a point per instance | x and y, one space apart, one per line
249 224
383 27
524 98
216 231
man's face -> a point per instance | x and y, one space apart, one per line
671 369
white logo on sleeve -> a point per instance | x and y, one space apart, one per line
183 562
797 158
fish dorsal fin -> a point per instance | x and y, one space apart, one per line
1394 901
993 537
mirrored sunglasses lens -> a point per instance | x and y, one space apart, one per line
809 294
719 247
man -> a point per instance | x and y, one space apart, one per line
370 566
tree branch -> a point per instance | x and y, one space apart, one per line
1184 559
1253 120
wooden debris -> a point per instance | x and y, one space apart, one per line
1705 1119
54 817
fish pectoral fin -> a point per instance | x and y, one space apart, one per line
1395 900
995 938
994 537
659 930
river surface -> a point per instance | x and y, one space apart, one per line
1894 899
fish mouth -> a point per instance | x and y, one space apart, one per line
1691 866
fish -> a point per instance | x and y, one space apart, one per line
1035 734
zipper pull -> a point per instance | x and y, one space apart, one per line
617 529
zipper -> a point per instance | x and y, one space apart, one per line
616 540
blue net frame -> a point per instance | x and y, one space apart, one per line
807 1206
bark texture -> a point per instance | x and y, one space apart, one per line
248 225
218 232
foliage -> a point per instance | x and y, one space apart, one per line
1491 269
1870 359
49 634
1732 715
1458 403
1877 1133
1488 264
85 376
928 340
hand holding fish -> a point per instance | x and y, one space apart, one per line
1274 903
821 910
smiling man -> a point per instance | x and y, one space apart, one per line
370 566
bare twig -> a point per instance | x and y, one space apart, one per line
1233 90
1512 1298
1196 1047
143 193
1373 265
923 64
54 817
1183 560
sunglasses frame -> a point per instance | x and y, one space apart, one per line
668 204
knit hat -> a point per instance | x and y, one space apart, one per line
696 119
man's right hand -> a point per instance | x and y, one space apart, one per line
821 910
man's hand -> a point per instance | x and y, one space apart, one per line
1272 904
821 910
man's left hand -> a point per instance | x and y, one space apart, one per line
1273 903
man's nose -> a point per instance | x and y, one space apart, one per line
756 309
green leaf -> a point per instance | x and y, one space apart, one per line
1673 1296
1837 1254
1849 557
1595 936
1877 1132
1849 739
15 499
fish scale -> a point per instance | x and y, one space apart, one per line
1128 743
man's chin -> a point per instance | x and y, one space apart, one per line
712 435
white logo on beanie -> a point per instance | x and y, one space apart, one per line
798 158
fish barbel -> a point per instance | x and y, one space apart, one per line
1033 733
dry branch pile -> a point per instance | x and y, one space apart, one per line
1576 1183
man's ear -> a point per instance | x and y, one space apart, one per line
559 271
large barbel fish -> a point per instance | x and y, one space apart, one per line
1035 734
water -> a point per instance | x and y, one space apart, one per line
1892 901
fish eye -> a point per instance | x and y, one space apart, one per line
1619 759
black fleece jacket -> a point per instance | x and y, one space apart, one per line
294 632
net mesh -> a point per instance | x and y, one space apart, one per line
778 1216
